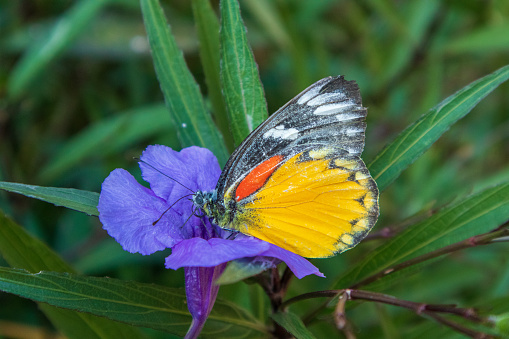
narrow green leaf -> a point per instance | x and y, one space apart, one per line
82 201
109 136
14 245
207 27
22 250
484 40
419 136
411 26
242 88
473 215
37 58
181 92
292 323
269 18
138 304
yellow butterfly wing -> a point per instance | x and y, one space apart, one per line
315 204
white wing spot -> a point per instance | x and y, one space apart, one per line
308 95
334 108
184 125
326 98
352 131
347 116
279 132
354 149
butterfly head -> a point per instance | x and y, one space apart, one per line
203 200
208 203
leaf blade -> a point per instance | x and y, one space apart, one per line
293 324
14 242
78 200
473 215
181 92
419 136
108 136
138 304
242 88
207 27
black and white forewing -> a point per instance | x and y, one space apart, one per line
328 113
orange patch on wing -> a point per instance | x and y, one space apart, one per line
257 177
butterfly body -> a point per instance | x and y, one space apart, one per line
297 181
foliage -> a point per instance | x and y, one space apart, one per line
82 95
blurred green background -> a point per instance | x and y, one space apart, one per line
79 98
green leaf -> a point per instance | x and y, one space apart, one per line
292 323
242 88
37 58
138 304
241 269
109 136
269 18
502 324
473 215
181 92
419 136
109 255
81 201
410 27
487 39
207 27
22 250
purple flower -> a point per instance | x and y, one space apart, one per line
147 220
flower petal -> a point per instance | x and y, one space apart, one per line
197 252
127 211
193 167
201 294
300 266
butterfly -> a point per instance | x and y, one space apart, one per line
297 181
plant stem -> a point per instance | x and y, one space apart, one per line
430 310
275 287
482 239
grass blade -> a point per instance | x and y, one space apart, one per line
242 88
37 58
108 136
181 92
419 136
491 39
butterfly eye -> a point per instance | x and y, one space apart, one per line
198 200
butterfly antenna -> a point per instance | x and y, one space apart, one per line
184 224
155 222
178 182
